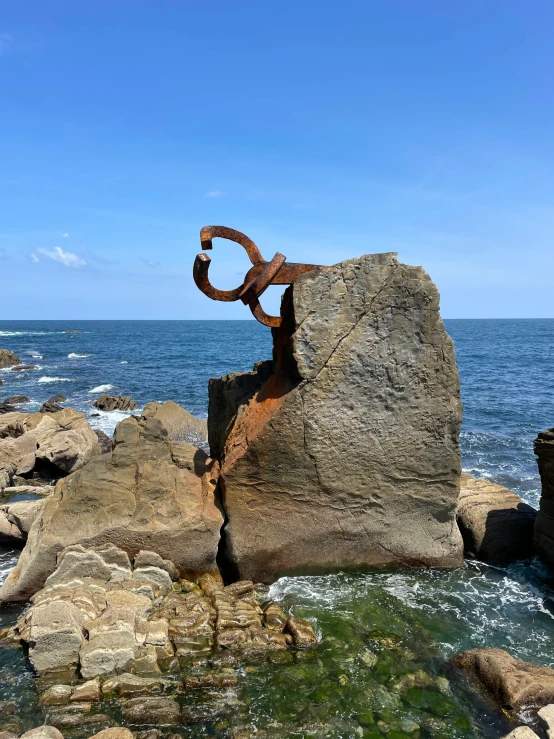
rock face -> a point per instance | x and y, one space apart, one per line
115 403
544 526
16 520
148 493
63 441
348 454
8 359
98 615
496 525
513 684
178 422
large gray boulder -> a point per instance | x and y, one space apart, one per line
544 525
496 525
148 493
348 454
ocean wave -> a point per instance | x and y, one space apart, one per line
124 362
106 421
101 389
25 333
47 379
78 356
35 355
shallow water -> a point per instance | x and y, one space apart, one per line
376 628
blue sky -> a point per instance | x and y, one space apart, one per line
324 130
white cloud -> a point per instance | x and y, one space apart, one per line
63 257
215 194
65 235
149 263
33 258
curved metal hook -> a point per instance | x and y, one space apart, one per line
207 233
200 275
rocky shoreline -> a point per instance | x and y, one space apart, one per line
146 558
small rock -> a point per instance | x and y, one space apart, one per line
151 559
157 711
301 631
522 732
57 695
116 733
210 680
59 398
104 441
49 407
89 691
546 719
7 408
77 720
106 652
24 367
43 732
240 588
16 399
127 685
154 574
115 403
274 616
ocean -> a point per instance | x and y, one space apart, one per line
375 627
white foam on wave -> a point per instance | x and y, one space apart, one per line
46 379
25 333
73 355
101 389
124 362
106 421
35 355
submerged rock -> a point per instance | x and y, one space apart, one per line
115 403
544 526
148 493
514 685
348 454
16 399
496 525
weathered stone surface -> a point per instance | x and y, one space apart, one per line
274 616
16 399
496 525
522 732
348 454
544 525
8 359
43 732
301 631
17 518
118 732
127 685
56 635
89 691
137 497
56 695
156 711
49 407
104 441
106 653
115 403
153 559
178 422
227 396
63 440
512 683
546 720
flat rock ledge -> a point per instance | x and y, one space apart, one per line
105 628
514 685
496 525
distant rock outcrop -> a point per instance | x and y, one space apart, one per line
8 359
115 403
496 525
147 493
544 526
348 454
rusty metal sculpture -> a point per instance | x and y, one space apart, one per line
258 278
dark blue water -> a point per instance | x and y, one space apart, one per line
508 394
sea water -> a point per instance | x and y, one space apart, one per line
381 669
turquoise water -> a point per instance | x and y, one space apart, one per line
376 628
